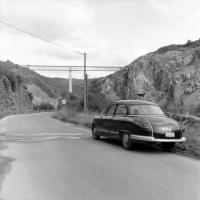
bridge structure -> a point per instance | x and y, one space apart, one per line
70 69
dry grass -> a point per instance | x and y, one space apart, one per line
192 133
192 144
68 115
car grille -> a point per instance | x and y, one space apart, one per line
178 135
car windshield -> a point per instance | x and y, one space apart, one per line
142 109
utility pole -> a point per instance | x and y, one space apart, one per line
70 80
85 85
87 91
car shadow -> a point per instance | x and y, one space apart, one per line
137 146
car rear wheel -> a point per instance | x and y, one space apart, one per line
94 134
126 141
166 146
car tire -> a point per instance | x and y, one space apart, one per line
94 133
166 146
126 141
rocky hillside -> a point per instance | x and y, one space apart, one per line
13 94
21 88
169 76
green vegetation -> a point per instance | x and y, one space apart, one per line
192 133
73 110
54 87
23 90
75 117
43 107
97 101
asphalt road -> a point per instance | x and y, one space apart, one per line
45 159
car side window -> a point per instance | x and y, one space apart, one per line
111 110
121 110
134 110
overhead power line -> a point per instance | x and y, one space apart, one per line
41 38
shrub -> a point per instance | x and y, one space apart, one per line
43 106
73 101
97 102
64 114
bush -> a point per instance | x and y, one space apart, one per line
43 106
72 102
97 102
192 134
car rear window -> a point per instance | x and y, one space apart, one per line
143 109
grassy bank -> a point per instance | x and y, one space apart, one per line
192 129
65 115
192 134
192 145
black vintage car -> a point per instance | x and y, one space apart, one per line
137 120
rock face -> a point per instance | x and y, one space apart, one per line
13 94
169 76
13 100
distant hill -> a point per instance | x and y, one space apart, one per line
169 76
21 87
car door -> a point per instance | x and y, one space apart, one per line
118 120
106 121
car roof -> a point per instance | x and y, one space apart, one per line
135 102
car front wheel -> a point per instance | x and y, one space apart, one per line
166 146
94 133
126 141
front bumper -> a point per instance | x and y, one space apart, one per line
152 139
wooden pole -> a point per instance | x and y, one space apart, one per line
85 84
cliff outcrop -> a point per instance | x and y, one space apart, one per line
169 76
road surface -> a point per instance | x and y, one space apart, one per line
45 159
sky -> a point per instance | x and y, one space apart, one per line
111 32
